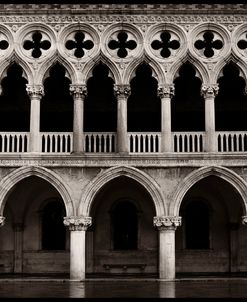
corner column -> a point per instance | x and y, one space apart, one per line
209 93
122 92
165 93
77 227
79 93
167 226
35 93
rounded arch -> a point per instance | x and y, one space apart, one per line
101 179
114 71
200 69
230 176
10 180
157 71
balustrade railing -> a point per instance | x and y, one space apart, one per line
188 141
232 141
14 142
56 142
100 142
144 142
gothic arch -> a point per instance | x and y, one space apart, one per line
101 179
231 177
10 180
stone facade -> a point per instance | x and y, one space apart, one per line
90 185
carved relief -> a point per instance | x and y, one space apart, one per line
167 222
122 91
78 91
76 223
36 91
209 91
166 91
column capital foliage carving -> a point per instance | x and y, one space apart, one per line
167 222
166 91
36 91
122 91
78 91
77 223
209 91
2 220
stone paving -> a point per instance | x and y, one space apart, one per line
123 288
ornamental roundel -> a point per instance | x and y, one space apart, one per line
209 42
37 42
122 42
165 42
78 42
239 43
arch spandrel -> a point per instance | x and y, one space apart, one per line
9 181
103 178
194 177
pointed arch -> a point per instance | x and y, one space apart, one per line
200 69
157 71
10 180
46 66
188 182
114 72
101 179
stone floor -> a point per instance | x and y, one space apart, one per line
203 287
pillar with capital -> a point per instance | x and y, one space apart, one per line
167 226
77 226
209 93
166 92
79 93
122 92
35 93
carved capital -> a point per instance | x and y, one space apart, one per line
2 220
166 91
77 223
167 222
122 91
209 91
78 91
35 91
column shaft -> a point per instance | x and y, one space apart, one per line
77 255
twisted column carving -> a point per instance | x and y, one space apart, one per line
77 223
167 222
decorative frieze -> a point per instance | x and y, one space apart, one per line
35 91
167 222
209 91
78 91
122 91
77 223
166 91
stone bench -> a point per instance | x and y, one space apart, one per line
125 266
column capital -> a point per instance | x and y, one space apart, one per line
35 91
78 91
167 222
122 91
209 91
166 91
77 223
2 220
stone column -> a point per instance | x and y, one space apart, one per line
79 93
165 93
35 93
167 226
209 93
77 227
18 235
122 93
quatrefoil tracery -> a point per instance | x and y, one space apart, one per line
208 44
79 44
242 44
122 44
36 44
165 44
4 44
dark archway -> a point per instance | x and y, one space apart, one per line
100 106
14 101
56 111
187 105
144 106
231 101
